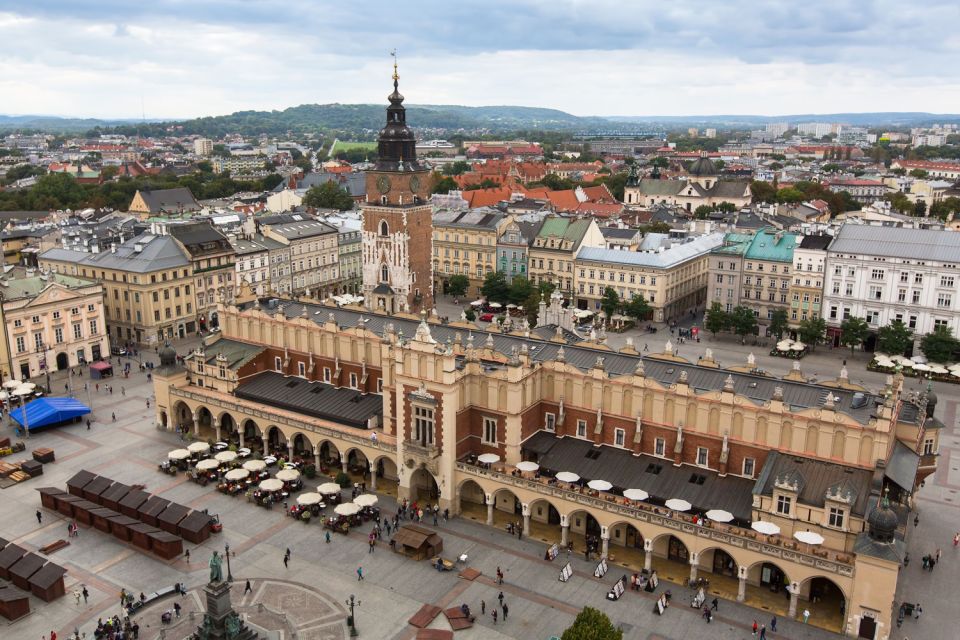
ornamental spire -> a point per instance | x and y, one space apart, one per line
396 76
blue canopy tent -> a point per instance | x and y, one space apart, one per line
44 412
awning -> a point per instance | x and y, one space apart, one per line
902 468
44 412
100 365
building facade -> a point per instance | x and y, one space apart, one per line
513 245
555 247
465 242
806 290
314 255
213 263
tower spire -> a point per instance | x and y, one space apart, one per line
396 76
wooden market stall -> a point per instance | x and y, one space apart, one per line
111 497
171 517
417 542
164 544
131 503
47 583
13 604
101 518
81 479
9 556
25 567
65 503
48 497
140 535
120 527
195 527
82 511
149 511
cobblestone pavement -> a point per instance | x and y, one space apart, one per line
395 587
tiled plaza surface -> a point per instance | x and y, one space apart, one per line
395 587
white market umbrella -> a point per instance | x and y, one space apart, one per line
567 476
328 488
809 537
635 494
906 363
11 384
526 465
253 466
766 528
954 367
919 366
243 452
271 484
235 475
207 465
347 509
489 458
936 368
307 499
476 303
198 447
797 346
225 456
288 475
600 485
676 504
4 395
719 515
178 454
365 499
783 345
26 385
494 305
955 373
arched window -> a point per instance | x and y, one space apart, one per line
384 230
384 273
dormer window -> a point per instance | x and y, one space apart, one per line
784 505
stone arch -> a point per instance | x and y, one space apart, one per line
584 523
548 391
812 439
204 417
627 408
736 427
587 394
713 421
839 443
718 561
471 500
329 455
424 487
545 512
762 430
274 439
786 435
765 573
163 419
385 468
866 449
671 547
507 502
826 600
182 415
668 412
228 426
626 533
357 462
302 447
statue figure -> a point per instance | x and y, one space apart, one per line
203 633
232 625
216 573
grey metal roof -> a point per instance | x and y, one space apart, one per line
897 242
303 229
342 405
902 466
757 387
817 478
158 253
169 200
702 488
236 353
676 254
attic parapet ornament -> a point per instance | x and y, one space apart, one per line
668 348
423 332
561 355
331 317
640 370
599 363
778 393
728 384
638 432
751 360
488 343
683 377
678 448
598 429
829 401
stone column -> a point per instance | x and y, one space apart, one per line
290 450
604 543
316 457
564 531
793 588
648 555
196 423
240 431
694 565
742 588
489 509
525 510
216 427
343 463
373 478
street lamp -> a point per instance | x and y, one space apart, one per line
352 621
226 548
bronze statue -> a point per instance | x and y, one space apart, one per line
232 625
216 573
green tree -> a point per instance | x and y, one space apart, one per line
790 194
456 168
520 290
853 331
546 288
717 319
920 209
812 331
328 195
894 338
660 162
495 287
779 323
610 302
592 624
446 184
941 345
458 285
703 212
900 202
638 308
763 191
531 306
743 321
943 208
920 174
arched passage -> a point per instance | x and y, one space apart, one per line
302 447
163 419
472 501
275 441
826 602
251 435
544 521
228 428
387 477
767 587
358 466
183 417
626 545
584 533
507 508
329 457
671 558
424 487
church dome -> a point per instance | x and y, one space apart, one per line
168 356
703 166
883 522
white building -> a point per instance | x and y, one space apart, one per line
203 146
778 128
285 200
883 274
816 129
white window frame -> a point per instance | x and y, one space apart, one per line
836 517
489 431
277 363
353 381
581 428
302 369
424 424
550 422
326 375
703 456
753 467
659 447
619 437
779 501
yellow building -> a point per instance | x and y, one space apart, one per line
552 254
465 242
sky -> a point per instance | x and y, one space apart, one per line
188 58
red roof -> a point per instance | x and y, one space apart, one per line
927 164
486 197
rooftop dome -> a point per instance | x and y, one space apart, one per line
883 522
703 166
168 355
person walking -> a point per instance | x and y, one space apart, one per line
505 610
500 598
359 574
114 416
186 554
806 615
327 537
917 610
493 613
763 632
483 607
499 576
937 556
956 539
916 520
39 517
773 624
86 594
176 608
714 605
88 424
76 597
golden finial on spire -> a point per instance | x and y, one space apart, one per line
396 76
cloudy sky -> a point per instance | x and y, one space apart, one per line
184 58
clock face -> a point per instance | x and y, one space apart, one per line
383 184
414 184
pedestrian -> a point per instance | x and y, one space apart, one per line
806 615
493 613
499 576
148 403
938 554
88 424
755 628
359 574
926 562
39 517
956 539
500 598
247 589
373 543
286 562
916 520
327 537
917 610
763 632
715 604
86 594
123 391
187 555
434 518
114 416
76 597
773 624
176 608
706 613
483 607
506 610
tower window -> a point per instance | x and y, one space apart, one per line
384 230
384 273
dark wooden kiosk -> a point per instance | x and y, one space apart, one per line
140 535
195 527
47 583
149 512
93 489
9 556
21 570
120 527
131 503
65 503
81 479
48 497
166 545
82 511
171 517
13 604
417 542
111 497
101 518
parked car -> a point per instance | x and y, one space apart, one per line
486 317
118 351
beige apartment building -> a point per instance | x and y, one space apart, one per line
212 260
465 242
147 283
314 255
552 254
52 322
671 275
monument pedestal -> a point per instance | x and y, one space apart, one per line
221 622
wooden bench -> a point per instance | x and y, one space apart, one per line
424 616
54 546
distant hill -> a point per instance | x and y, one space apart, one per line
889 118
56 123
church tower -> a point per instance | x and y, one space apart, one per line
397 237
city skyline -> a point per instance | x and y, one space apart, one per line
167 60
